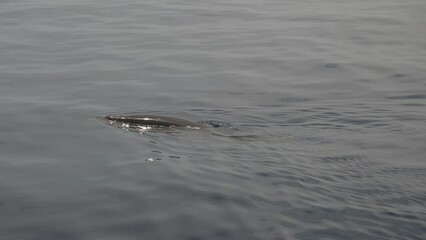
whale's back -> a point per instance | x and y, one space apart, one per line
153 120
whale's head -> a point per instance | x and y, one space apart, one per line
115 118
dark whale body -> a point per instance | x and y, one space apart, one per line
154 121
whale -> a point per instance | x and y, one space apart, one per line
153 121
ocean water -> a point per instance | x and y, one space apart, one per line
326 99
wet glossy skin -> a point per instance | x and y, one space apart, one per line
152 120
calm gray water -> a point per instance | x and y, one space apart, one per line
327 99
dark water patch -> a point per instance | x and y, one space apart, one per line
332 234
408 97
261 200
412 201
132 229
314 215
402 216
373 122
352 217
40 232
331 65
343 159
294 99
418 172
414 104
398 75
287 224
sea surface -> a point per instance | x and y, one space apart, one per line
323 104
